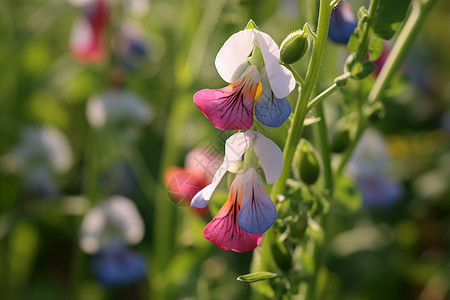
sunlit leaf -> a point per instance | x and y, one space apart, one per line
258 276
375 48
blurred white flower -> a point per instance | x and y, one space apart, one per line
116 106
41 147
116 218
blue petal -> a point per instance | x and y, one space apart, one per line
342 23
118 265
272 111
379 192
258 212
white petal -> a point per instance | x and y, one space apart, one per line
199 200
281 79
92 227
270 156
235 147
81 35
124 215
234 53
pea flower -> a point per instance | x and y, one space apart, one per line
42 153
342 23
107 231
369 166
117 107
87 37
131 46
259 77
118 265
249 211
184 183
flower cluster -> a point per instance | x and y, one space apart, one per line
90 32
106 231
259 85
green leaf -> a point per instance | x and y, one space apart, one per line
355 39
258 276
375 48
347 195
357 69
390 14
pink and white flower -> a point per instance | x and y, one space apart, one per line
87 43
265 80
249 211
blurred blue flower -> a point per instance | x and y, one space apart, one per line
116 264
369 166
106 231
379 192
342 23
132 46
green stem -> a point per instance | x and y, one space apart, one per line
185 73
401 47
398 53
318 99
364 46
296 129
312 74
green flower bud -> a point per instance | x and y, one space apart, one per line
340 140
299 225
281 255
306 163
294 47
375 112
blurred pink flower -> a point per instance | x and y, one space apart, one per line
87 43
183 183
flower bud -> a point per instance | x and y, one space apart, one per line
281 255
299 224
340 140
306 163
294 47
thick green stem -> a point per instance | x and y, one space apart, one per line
401 47
312 74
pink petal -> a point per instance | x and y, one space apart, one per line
86 42
231 108
183 184
223 230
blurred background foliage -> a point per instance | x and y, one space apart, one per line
396 252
